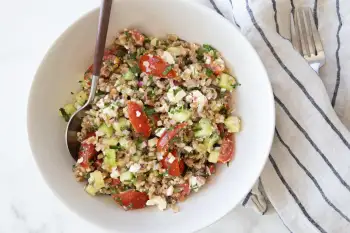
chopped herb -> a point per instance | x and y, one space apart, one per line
114 191
98 93
73 167
177 90
200 53
86 176
116 147
208 48
80 81
128 35
135 69
168 69
129 207
147 40
139 141
133 56
236 85
72 93
64 114
151 93
209 72
140 51
228 164
177 190
150 78
118 200
148 110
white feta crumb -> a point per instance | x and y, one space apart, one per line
171 158
188 148
146 65
166 56
159 155
126 132
143 145
115 173
135 168
152 142
156 166
199 99
159 123
91 179
138 113
79 161
158 201
193 181
109 112
170 191
159 132
207 59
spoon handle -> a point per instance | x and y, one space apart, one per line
105 12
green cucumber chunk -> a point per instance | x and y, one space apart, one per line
227 82
203 128
107 130
233 124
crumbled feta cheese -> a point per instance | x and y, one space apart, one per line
109 111
146 65
135 167
196 182
207 59
166 56
188 149
143 145
175 98
115 173
156 166
152 142
158 201
159 132
80 160
193 181
171 158
159 123
199 99
159 155
170 191
91 179
138 113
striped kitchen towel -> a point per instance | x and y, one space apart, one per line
307 175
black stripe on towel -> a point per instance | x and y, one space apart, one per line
216 7
275 16
300 85
315 13
234 18
292 5
334 99
246 199
286 185
313 144
311 177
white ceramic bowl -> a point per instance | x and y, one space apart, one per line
72 53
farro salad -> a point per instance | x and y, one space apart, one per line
160 122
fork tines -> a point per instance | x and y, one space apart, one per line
305 37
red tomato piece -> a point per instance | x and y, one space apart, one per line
87 152
90 134
155 65
163 142
138 119
185 191
137 36
174 168
115 182
227 148
212 168
131 199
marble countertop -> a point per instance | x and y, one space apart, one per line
27 205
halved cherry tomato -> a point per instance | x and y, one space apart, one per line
227 148
155 65
185 191
137 36
175 168
87 152
131 199
163 142
115 182
138 119
212 168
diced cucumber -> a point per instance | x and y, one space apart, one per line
110 141
200 148
180 115
209 142
91 190
122 124
214 156
126 176
175 51
203 128
70 109
129 75
154 42
107 130
233 124
227 82
96 182
81 98
125 143
110 158
175 94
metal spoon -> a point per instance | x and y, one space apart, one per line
74 124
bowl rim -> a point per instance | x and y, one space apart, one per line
201 7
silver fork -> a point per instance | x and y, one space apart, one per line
306 39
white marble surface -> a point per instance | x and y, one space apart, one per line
27 29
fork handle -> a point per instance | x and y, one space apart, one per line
105 12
